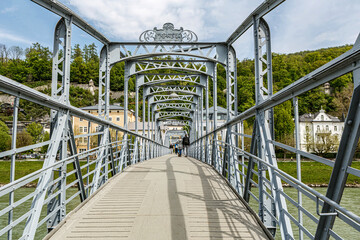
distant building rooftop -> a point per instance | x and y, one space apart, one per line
312 117
112 107
220 110
96 107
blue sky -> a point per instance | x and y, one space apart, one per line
296 25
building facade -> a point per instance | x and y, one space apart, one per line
320 132
81 126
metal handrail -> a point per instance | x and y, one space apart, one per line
302 186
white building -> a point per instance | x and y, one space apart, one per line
319 131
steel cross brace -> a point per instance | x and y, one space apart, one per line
138 51
348 144
185 65
56 140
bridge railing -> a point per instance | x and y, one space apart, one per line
35 203
255 175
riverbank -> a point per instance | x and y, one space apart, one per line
313 174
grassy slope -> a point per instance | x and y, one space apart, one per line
316 173
26 167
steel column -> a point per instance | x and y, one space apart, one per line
266 149
344 158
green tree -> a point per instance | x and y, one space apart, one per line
45 137
90 53
38 62
5 138
284 124
35 130
78 71
326 142
77 52
117 77
23 139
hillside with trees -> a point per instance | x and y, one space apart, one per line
32 67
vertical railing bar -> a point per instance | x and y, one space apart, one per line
298 161
13 158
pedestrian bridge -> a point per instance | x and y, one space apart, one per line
168 197
127 184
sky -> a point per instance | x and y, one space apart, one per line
296 25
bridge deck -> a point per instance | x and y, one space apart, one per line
163 198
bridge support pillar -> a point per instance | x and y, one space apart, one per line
60 136
276 205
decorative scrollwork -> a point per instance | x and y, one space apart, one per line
168 34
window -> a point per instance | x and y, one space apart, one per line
81 129
327 127
307 128
80 140
322 117
81 119
81 150
85 129
85 140
118 119
318 128
335 128
118 111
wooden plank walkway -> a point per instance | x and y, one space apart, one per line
163 198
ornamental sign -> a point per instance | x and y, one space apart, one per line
168 34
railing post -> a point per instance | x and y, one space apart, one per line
207 158
13 159
215 147
298 161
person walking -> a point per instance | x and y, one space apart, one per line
180 147
186 143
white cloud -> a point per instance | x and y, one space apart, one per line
6 36
307 25
126 20
296 25
8 10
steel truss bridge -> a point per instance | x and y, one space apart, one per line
221 179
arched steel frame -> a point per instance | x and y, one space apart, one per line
199 61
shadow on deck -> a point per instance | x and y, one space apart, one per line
168 197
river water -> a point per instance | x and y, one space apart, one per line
350 201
